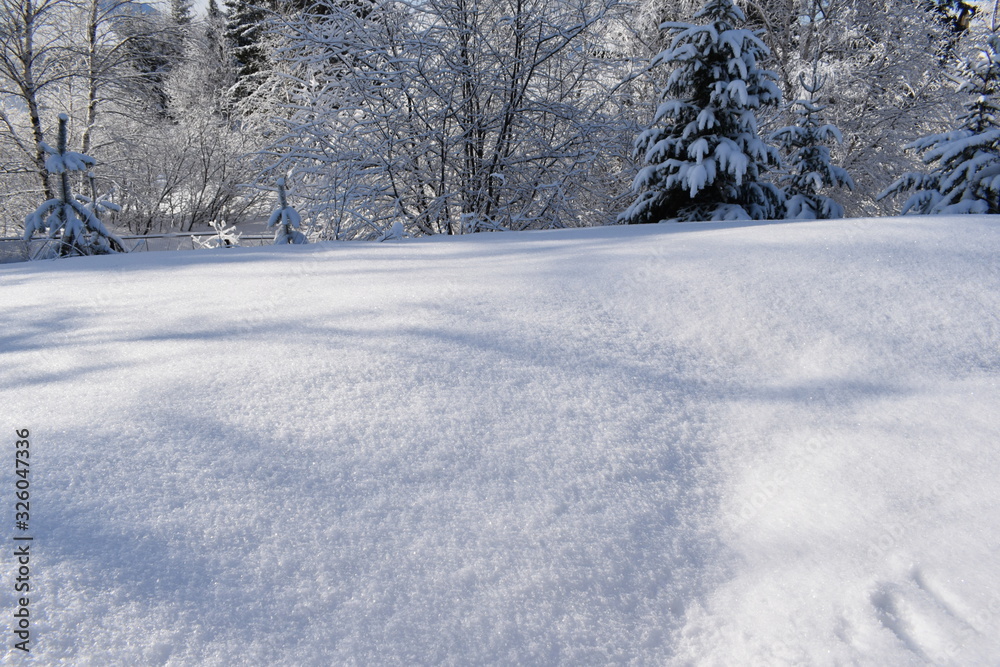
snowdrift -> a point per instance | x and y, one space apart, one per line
705 444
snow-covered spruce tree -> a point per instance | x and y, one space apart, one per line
285 219
808 164
180 12
704 155
246 27
79 230
967 176
887 85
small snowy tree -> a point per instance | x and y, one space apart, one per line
79 230
704 156
967 176
226 236
286 220
809 166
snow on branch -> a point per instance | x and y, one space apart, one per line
286 220
76 224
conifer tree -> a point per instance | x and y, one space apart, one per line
809 167
178 32
180 12
967 176
215 26
75 225
151 43
246 27
704 155
285 220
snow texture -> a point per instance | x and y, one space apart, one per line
688 444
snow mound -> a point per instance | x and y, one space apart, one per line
708 443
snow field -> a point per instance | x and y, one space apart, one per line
704 444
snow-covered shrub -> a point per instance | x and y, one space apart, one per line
809 168
704 155
501 113
226 236
76 225
395 233
967 176
286 220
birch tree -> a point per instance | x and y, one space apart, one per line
76 55
32 61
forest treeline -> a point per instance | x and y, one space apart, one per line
451 116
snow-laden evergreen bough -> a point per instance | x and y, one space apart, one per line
75 224
98 203
809 168
967 176
286 219
704 156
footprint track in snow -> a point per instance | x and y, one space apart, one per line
926 616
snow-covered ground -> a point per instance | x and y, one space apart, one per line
707 444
